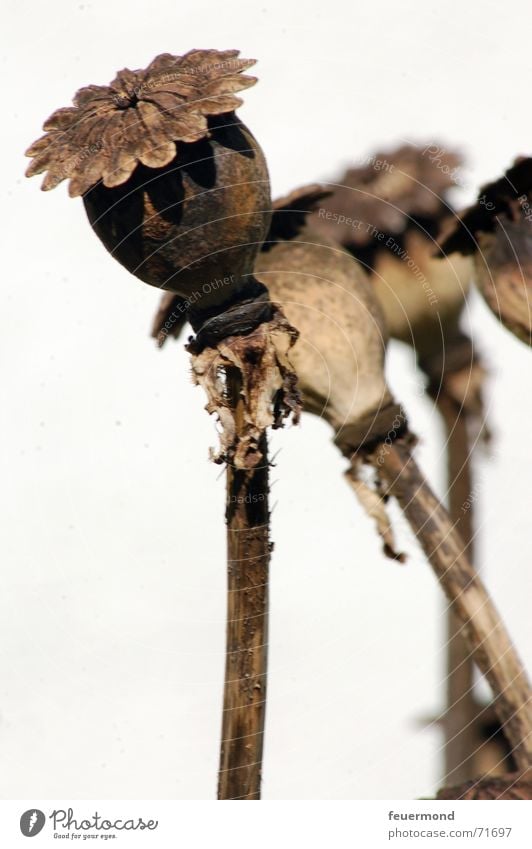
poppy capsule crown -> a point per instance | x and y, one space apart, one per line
386 213
174 185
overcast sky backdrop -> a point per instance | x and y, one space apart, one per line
113 590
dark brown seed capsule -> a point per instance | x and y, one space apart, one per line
174 185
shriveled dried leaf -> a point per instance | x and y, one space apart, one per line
374 504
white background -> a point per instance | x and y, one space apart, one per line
113 583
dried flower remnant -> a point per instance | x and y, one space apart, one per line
497 231
262 360
138 118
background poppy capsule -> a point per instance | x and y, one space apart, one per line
387 213
497 231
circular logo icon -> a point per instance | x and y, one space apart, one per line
32 822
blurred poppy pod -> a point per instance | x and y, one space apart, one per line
503 267
174 185
497 231
515 785
387 214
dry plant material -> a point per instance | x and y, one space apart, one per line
177 189
339 360
174 185
137 119
497 231
387 214
455 382
268 388
517 786
485 634
391 192
458 397
246 663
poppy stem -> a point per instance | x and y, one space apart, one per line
250 385
461 722
483 630
248 558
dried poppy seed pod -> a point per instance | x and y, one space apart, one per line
497 231
339 356
174 185
503 266
177 189
387 213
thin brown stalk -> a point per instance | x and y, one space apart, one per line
248 557
461 721
485 635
